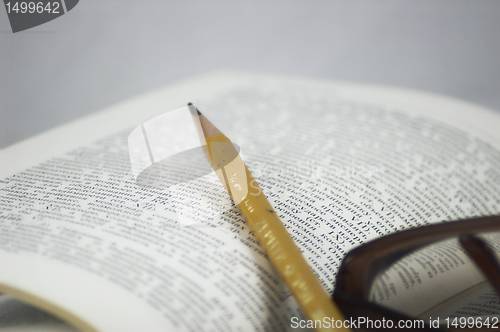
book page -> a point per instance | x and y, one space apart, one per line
479 300
340 163
430 280
438 280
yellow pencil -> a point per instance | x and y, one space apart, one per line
265 224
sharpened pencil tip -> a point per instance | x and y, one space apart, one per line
191 105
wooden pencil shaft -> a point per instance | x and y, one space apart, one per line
285 255
265 224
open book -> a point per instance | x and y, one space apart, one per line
341 163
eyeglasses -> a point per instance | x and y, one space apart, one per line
446 274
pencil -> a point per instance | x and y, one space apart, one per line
265 224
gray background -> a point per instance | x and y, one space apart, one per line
102 52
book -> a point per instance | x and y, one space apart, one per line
342 163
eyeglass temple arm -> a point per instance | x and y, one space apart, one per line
484 258
362 264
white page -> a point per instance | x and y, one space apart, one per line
341 163
478 301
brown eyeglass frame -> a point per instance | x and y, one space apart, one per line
361 265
